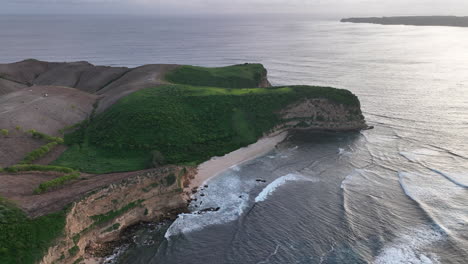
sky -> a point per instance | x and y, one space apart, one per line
174 7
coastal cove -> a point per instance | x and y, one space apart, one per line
171 127
287 172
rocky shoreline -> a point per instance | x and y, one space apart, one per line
105 208
95 225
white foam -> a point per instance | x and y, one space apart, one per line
349 178
235 168
411 247
444 202
270 188
228 192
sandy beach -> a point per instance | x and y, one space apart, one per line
217 165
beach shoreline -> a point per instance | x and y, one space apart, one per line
216 165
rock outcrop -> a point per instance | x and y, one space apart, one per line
321 114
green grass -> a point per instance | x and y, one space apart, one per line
236 76
38 153
94 159
187 124
35 167
24 240
103 218
48 185
39 135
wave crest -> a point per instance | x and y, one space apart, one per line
267 191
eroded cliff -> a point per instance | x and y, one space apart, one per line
322 114
94 224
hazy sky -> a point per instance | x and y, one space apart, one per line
325 7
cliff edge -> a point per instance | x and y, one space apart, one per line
89 151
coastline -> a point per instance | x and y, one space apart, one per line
216 165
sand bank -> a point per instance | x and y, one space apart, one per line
216 165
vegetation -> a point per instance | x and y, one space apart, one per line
236 76
24 240
48 185
35 167
38 153
4 132
74 250
112 228
170 179
102 218
39 135
185 124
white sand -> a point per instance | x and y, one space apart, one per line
217 165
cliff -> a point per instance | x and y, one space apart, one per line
94 224
450 21
122 128
321 114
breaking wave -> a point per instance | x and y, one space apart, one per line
410 248
227 193
267 191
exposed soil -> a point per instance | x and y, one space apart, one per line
112 83
136 79
19 188
46 109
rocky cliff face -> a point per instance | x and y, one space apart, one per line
322 114
264 83
94 224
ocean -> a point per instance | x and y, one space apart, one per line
394 194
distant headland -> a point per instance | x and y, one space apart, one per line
449 21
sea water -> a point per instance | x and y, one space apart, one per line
394 194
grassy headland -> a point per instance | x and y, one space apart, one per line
236 76
186 124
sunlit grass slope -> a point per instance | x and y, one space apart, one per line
186 124
236 76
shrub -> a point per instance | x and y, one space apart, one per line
48 185
39 135
4 132
74 250
170 179
38 153
35 167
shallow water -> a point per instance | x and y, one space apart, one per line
395 194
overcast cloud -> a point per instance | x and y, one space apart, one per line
325 7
